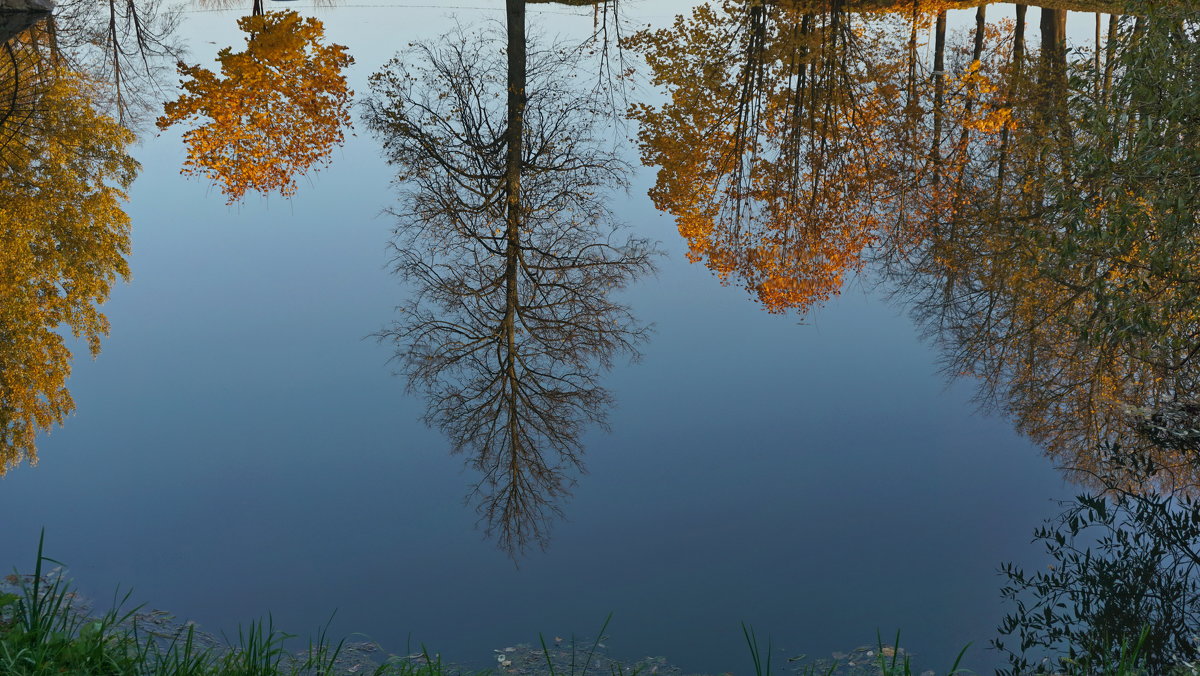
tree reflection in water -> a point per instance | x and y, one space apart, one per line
770 147
1038 208
1069 286
276 111
63 234
505 234
128 45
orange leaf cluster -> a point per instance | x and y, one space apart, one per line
276 110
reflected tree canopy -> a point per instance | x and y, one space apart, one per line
275 111
1068 285
769 150
505 235
1037 204
798 134
64 237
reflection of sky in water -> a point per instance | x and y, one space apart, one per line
241 447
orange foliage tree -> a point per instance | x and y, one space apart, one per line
276 111
798 135
776 148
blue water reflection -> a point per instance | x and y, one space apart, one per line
241 446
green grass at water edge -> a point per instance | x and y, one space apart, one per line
43 632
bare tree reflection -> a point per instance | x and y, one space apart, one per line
505 234
130 45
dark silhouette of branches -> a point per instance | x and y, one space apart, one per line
129 45
1123 587
504 232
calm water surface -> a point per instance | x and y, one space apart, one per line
241 444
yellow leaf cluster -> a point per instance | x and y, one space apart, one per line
64 238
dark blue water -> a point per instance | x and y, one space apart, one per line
241 445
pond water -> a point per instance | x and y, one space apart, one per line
242 443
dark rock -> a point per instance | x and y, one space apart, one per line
13 23
26 5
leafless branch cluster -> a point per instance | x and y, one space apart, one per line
128 45
513 318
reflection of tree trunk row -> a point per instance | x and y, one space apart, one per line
1105 6
1013 179
905 6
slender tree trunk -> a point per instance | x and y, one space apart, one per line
52 31
1018 61
939 93
969 102
961 156
1110 51
1052 74
1019 38
911 87
115 46
513 216
1054 43
976 55
800 57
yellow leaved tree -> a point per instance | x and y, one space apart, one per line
276 110
801 138
64 236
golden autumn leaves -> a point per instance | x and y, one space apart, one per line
64 236
275 111
798 134
797 140
1037 205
